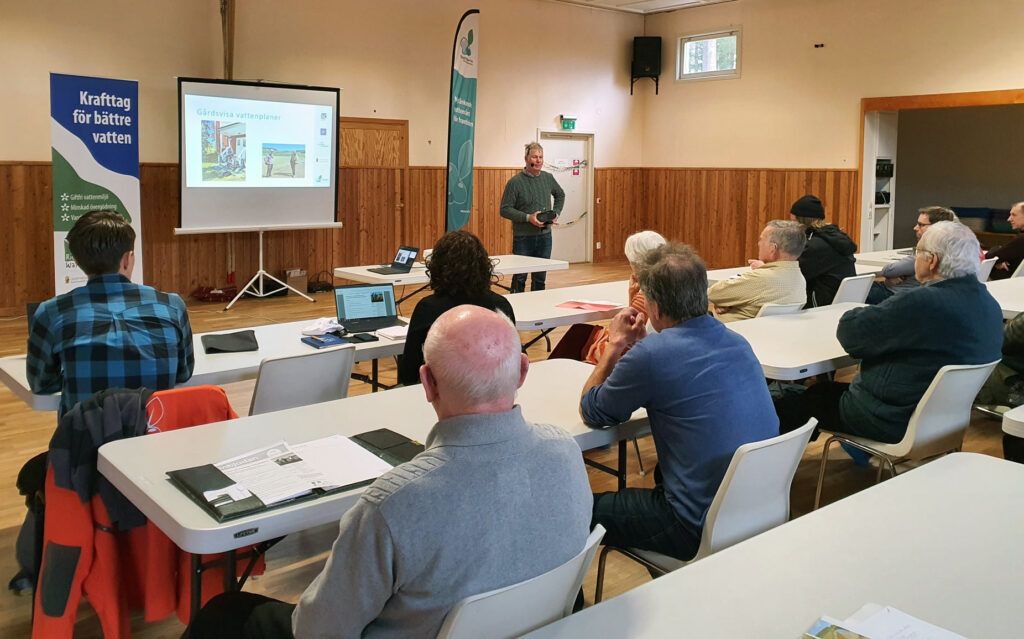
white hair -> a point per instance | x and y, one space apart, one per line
478 366
955 245
639 243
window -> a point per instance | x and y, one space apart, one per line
709 55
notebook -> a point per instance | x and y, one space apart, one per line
363 308
402 264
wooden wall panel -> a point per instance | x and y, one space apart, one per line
719 211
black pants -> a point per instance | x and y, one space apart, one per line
1013 448
242 615
643 518
822 402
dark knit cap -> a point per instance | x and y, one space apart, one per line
808 206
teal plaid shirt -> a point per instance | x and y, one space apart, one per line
110 333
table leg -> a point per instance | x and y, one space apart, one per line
619 472
373 375
544 335
197 585
230 572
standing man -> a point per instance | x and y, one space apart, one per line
110 333
526 195
1011 255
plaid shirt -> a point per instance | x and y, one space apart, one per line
110 333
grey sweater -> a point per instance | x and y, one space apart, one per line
493 500
525 194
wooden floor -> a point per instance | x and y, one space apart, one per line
296 561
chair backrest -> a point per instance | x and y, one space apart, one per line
854 289
754 494
986 268
520 608
779 309
1019 270
942 416
301 380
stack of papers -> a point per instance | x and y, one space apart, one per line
878 622
590 305
393 332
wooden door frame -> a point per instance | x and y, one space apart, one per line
926 101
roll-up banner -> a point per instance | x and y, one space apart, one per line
462 120
95 143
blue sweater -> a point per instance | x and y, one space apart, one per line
705 395
905 340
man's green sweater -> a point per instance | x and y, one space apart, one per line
525 194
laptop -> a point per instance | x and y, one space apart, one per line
402 264
363 308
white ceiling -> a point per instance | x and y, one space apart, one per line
643 6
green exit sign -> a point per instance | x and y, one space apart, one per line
568 124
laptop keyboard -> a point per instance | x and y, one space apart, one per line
387 270
370 324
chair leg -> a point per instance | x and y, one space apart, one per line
639 459
599 590
821 471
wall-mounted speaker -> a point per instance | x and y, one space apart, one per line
646 57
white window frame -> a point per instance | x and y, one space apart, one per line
709 75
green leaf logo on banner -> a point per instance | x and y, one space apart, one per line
77 196
468 40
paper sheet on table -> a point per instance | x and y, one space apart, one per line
887 622
273 473
360 464
590 305
394 332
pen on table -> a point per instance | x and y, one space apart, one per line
316 338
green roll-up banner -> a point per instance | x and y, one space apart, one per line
462 120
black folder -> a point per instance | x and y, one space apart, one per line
238 342
198 480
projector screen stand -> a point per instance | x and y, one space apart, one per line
256 290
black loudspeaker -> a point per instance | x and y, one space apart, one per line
646 57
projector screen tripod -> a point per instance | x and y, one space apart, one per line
257 290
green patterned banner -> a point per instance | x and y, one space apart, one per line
462 120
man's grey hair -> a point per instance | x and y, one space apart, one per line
531 147
674 277
955 245
490 374
638 244
788 235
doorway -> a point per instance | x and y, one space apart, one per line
569 158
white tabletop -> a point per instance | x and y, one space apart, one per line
1010 295
938 542
275 340
719 274
504 265
138 466
538 310
799 345
883 258
1013 422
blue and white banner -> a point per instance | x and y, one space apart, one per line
462 120
95 142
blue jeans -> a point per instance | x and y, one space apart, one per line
531 246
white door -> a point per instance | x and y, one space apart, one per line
568 157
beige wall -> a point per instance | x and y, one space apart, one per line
797 106
392 59
152 42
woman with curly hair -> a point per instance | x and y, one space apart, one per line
460 272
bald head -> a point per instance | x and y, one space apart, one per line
473 362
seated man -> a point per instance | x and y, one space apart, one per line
774 277
110 333
493 500
704 393
904 341
899 275
1011 255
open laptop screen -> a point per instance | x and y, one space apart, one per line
405 257
360 301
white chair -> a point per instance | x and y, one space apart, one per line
854 289
936 427
986 269
752 498
520 608
1019 271
779 309
301 380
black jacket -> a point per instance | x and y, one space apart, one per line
826 260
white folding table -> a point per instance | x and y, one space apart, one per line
798 345
540 311
1010 295
883 258
503 265
275 340
938 542
719 274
